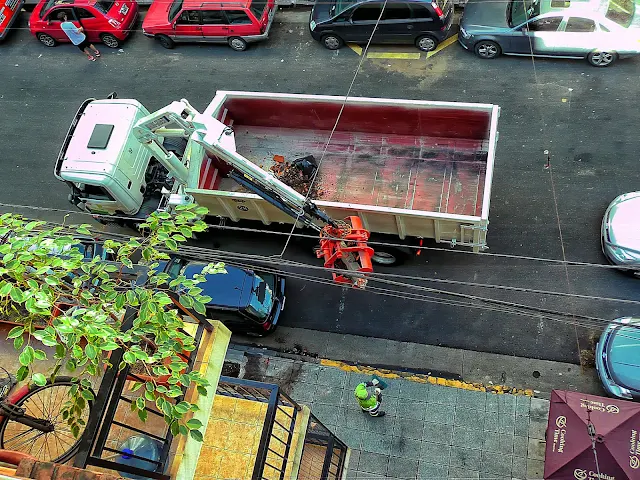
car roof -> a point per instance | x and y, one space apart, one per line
199 4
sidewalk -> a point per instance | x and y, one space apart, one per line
429 431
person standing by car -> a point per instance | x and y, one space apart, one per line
77 37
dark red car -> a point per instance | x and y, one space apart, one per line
106 21
234 22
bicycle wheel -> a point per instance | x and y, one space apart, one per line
44 403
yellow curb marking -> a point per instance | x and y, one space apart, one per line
420 378
396 56
443 45
355 48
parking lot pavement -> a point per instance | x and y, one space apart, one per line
585 116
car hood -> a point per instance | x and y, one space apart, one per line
480 15
624 222
624 357
157 15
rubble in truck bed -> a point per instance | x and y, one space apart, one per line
295 178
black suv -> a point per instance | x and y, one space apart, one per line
422 23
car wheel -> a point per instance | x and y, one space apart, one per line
238 44
601 59
165 41
487 49
426 43
47 40
332 42
109 40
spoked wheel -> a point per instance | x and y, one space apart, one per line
601 59
44 403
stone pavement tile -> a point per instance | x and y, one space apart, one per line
492 403
411 409
536 449
408 428
379 425
519 467
507 404
303 392
523 403
438 413
394 386
351 437
402 468
308 373
443 395
498 443
332 377
367 476
377 443
414 391
465 459
373 463
353 379
354 458
492 422
278 367
537 428
435 453
437 433
468 437
497 464
328 395
390 405
535 469
521 426
432 471
493 476
472 399
461 474
327 414
468 417
406 447
356 419
506 423
520 446
539 409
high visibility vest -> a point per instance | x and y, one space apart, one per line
365 398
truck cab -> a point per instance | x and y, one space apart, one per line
103 163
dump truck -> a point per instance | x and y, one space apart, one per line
410 168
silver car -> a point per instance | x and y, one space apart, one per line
543 28
618 358
621 232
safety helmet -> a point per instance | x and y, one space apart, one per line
361 392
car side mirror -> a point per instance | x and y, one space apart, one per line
173 25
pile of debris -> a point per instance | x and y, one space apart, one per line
299 175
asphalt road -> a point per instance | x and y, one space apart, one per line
585 116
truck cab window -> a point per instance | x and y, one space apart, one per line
94 192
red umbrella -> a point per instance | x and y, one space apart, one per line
592 438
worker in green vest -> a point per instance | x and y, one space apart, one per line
369 396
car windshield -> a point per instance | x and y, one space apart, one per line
519 11
261 301
46 7
341 5
104 5
175 8
621 11
257 7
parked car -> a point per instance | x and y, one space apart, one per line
106 21
419 22
236 22
9 13
620 232
618 358
514 27
246 301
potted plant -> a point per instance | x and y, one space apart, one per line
83 336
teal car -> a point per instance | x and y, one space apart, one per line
618 358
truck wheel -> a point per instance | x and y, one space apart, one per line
47 40
426 43
165 41
384 258
238 44
487 49
332 42
109 40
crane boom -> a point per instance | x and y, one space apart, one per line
343 243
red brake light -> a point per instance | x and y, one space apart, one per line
437 9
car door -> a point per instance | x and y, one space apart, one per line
362 22
540 35
53 23
214 26
187 28
91 24
581 36
240 24
396 24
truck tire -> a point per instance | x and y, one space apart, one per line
47 40
238 44
109 40
165 41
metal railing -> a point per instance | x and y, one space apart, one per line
278 427
321 442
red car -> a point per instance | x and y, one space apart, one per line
234 22
9 11
106 21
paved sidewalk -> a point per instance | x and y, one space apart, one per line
429 431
